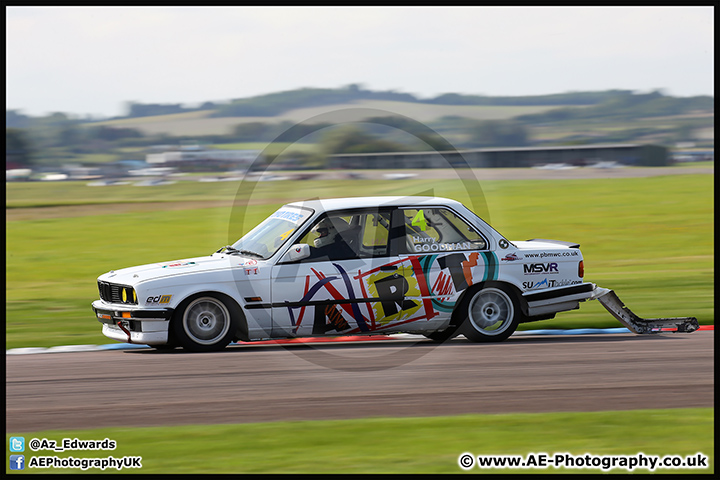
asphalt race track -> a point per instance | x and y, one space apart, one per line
404 377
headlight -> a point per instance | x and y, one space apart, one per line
128 295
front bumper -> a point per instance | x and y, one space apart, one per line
132 324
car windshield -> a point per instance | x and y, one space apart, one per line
265 239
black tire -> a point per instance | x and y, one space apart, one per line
205 322
492 314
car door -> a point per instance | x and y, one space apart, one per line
356 290
442 255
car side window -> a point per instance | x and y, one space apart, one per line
429 230
348 236
375 232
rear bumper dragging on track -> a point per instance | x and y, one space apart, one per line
640 325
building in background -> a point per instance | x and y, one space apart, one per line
520 157
201 158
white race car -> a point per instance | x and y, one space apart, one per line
355 266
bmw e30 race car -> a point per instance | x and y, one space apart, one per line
356 266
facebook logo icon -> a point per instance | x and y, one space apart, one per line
17 462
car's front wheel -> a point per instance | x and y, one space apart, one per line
492 315
205 323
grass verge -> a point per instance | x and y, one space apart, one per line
401 445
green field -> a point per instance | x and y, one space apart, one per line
649 239
400 445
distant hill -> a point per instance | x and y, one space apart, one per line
275 104
623 108
204 122
564 118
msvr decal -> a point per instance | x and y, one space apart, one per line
538 268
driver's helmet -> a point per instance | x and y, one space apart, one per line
327 230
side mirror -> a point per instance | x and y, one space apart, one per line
296 253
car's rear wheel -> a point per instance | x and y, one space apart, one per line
492 315
205 323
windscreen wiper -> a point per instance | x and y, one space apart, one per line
229 249
248 252
232 250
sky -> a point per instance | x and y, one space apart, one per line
92 61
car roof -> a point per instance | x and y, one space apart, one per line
367 202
